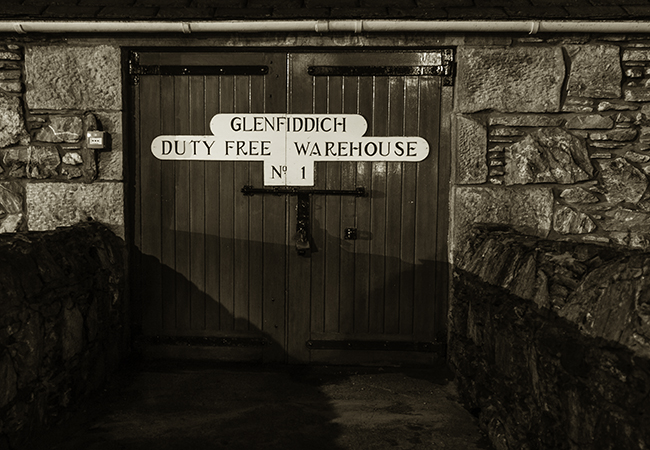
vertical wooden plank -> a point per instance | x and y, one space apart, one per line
167 216
275 231
332 172
332 249
393 211
197 209
256 217
426 207
226 220
241 214
212 208
148 183
274 282
182 210
363 210
347 273
378 212
409 174
320 94
299 271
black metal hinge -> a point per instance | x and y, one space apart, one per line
378 71
433 347
136 70
445 70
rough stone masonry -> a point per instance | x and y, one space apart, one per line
554 139
550 342
63 322
50 97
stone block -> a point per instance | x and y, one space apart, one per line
10 56
621 219
578 105
13 87
608 106
595 71
43 161
15 161
578 195
620 135
11 198
52 205
110 166
8 380
65 77
72 158
509 79
71 172
12 125
634 72
93 321
507 132
607 144
27 350
529 211
590 122
621 181
61 129
496 171
550 155
637 94
11 207
10 65
73 330
526 120
638 158
472 150
569 221
644 134
636 54
10 75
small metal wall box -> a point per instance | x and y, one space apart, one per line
96 139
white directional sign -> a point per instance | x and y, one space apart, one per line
289 144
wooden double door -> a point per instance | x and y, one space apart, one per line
217 273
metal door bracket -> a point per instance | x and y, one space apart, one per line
303 236
303 233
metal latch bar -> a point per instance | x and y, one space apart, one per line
288 190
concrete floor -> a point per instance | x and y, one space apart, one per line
182 405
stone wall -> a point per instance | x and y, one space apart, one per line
553 138
64 322
51 96
550 342
550 338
